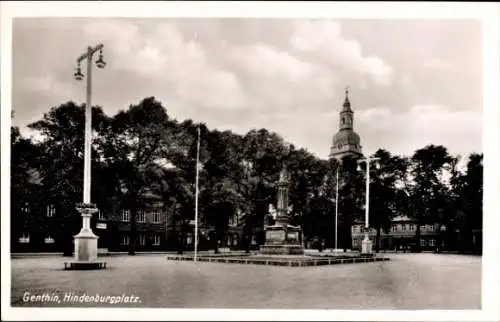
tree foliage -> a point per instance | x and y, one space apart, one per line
143 150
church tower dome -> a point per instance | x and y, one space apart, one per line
346 141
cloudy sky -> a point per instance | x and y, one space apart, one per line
412 82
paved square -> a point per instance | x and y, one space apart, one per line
408 281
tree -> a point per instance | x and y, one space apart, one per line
310 196
263 157
351 199
137 145
429 190
61 162
383 191
25 191
221 197
467 197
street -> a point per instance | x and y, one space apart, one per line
408 281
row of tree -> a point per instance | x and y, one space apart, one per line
143 149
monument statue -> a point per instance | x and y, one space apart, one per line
282 238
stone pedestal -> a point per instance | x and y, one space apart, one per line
85 243
282 240
366 245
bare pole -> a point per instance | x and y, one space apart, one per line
196 198
337 207
367 206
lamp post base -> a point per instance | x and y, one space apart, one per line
85 244
366 246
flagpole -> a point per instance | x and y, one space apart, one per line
196 199
336 207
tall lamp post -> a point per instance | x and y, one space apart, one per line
86 241
366 245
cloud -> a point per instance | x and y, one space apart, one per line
265 61
436 63
375 114
324 38
420 126
49 85
163 53
286 75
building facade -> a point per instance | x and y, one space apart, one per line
113 226
402 235
48 226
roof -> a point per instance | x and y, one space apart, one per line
401 218
34 176
347 104
346 137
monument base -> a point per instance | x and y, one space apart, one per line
282 240
366 246
281 250
81 265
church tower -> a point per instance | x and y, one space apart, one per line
346 141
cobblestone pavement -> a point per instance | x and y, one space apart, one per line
407 281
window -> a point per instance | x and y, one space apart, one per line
26 208
189 239
423 242
394 228
232 221
125 240
141 216
49 240
142 239
100 216
156 216
432 242
403 227
24 239
125 215
235 239
412 227
427 228
156 240
51 210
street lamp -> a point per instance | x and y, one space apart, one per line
86 241
366 246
